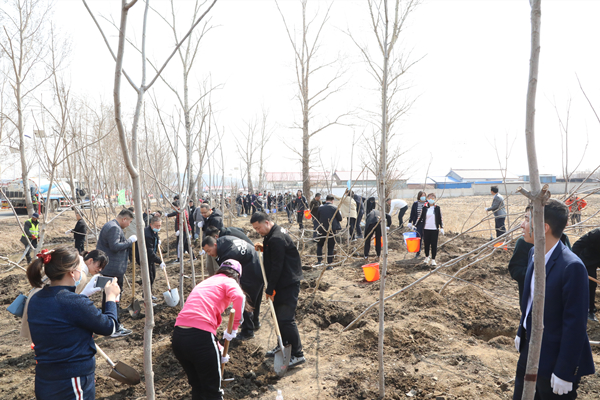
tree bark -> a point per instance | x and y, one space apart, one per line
537 328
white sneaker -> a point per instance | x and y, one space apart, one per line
427 260
433 263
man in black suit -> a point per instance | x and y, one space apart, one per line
328 216
565 355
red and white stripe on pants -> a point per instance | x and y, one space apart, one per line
77 390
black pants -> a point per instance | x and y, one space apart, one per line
370 233
251 319
152 272
197 352
430 239
80 245
575 217
401 216
330 247
315 226
120 282
420 229
352 225
300 219
591 269
25 243
500 228
186 247
358 230
289 211
285 303
543 390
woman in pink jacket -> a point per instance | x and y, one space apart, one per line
194 342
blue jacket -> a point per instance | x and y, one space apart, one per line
61 325
566 348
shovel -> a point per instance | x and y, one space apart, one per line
172 295
226 346
134 308
284 354
121 371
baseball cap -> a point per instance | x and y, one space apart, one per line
35 215
234 265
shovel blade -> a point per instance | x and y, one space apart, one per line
125 374
172 297
282 360
135 310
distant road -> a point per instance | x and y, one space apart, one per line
6 214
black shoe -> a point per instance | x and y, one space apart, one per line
257 326
417 255
295 361
271 353
176 261
592 317
329 268
244 336
121 331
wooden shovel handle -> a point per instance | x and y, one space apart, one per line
103 354
229 329
262 268
163 261
594 280
133 268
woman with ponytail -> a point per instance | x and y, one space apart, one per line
61 324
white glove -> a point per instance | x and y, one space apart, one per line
133 238
163 265
229 336
177 233
225 359
200 224
442 231
387 228
67 232
202 253
90 288
487 209
159 242
517 342
560 387
410 226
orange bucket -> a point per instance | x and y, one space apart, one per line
307 214
501 245
413 244
371 272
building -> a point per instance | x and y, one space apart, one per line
285 181
367 179
483 176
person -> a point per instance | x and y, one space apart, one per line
194 342
283 268
314 205
348 209
31 227
373 228
360 211
192 214
61 324
198 221
370 205
329 218
289 207
300 204
152 242
92 263
398 206
565 354
499 211
251 281
433 225
130 230
187 229
415 214
79 232
146 216
111 241
575 204
517 266
213 217
230 231
239 203
587 248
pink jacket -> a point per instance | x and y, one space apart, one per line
204 306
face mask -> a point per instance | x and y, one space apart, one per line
431 201
77 282
156 230
422 198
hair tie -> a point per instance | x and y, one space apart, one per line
45 255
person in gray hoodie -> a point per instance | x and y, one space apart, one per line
111 241
499 211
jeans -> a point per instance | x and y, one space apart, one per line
197 352
285 303
120 282
300 219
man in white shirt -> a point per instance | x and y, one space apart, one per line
398 206
565 355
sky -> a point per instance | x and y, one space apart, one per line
469 85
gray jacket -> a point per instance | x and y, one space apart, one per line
111 240
498 206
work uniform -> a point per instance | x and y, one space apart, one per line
79 233
31 229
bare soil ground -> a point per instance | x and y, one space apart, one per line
454 345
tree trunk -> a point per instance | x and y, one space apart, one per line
537 328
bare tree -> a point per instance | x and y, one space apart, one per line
246 146
306 49
24 43
538 197
265 135
131 157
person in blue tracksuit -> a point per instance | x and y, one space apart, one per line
62 323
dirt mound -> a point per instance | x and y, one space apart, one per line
424 298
